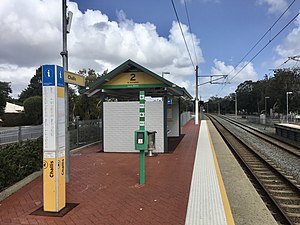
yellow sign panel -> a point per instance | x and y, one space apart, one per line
133 78
74 78
60 92
61 180
49 182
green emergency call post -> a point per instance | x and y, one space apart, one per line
141 137
141 140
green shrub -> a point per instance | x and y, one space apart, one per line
19 160
33 107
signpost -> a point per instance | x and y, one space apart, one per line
74 78
54 138
142 127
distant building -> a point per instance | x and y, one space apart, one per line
11 112
13 108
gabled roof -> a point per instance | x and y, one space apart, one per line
157 82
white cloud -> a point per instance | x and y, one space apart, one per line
229 85
18 76
30 35
236 75
275 6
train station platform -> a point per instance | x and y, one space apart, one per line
289 131
208 202
105 187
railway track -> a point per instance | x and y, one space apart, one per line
282 190
291 148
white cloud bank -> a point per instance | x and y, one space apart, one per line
30 36
235 77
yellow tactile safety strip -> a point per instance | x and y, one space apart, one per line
228 214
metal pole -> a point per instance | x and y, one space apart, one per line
207 107
266 107
77 131
196 99
20 134
64 55
235 106
287 107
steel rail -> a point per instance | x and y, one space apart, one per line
230 138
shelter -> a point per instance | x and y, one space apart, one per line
119 91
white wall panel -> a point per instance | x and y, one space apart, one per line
121 119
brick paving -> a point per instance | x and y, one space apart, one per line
106 187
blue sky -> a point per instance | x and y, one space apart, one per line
104 34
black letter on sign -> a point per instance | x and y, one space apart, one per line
132 78
62 167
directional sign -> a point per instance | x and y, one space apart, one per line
73 78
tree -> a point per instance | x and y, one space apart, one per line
286 80
88 108
251 95
34 88
33 107
5 90
246 97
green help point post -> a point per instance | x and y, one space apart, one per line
141 137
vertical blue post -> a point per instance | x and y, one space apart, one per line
142 127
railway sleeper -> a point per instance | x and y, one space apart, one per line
282 191
288 198
275 187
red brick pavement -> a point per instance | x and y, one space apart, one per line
106 187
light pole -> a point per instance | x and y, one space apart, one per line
66 25
207 107
235 106
196 99
287 105
266 105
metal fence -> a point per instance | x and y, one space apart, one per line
85 132
185 117
21 133
270 121
81 133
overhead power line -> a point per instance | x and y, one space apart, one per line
187 48
262 47
191 32
295 58
265 34
265 46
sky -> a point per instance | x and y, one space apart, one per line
104 34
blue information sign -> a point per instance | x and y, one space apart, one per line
60 76
48 75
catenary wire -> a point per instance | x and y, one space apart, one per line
265 46
187 48
261 50
191 32
268 31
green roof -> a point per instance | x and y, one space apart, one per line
131 65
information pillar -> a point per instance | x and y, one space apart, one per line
54 184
